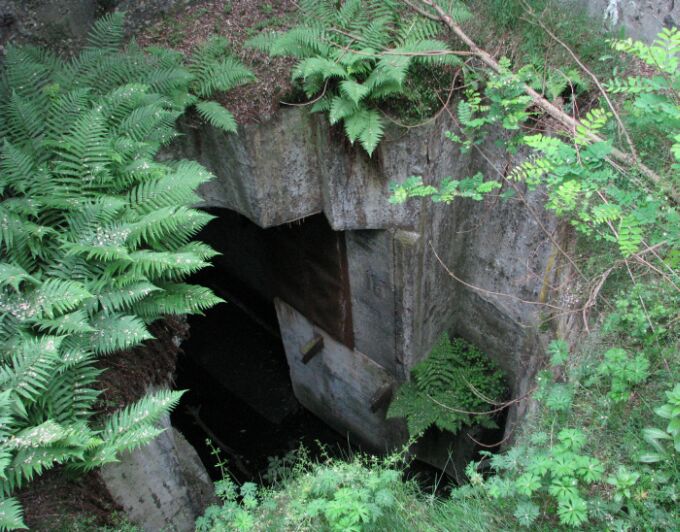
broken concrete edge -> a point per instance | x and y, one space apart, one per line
162 485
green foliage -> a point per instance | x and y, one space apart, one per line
665 442
473 187
559 352
560 471
355 54
602 201
624 371
338 496
614 470
84 523
94 239
454 386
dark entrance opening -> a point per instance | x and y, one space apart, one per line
240 394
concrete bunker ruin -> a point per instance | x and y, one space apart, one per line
363 288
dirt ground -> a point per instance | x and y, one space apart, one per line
238 21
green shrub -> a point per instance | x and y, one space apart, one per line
588 457
95 239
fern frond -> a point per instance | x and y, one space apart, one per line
176 188
372 131
341 108
23 121
163 264
134 425
353 90
116 332
13 275
11 515
90 225
177 299
71 393
107 33
170 227
16 168
215 71
301 42
30 369
115 299
216 115
71 323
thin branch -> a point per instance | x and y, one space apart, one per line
595 79
489 292
194 413
492 445
489 412
548 107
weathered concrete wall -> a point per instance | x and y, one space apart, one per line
296 165
641 19
402 297
161 486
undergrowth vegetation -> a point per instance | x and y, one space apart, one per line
601 451
95 239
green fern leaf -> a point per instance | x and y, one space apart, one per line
11 515
216 115
107 33
341 108
353 90
372 132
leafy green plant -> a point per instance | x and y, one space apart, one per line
338 496
473 187
602 201
454 386
560 472
624 372
664 441
355 54
95 239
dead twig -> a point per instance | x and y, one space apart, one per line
194 413
489 412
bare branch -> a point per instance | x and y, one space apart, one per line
551 109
